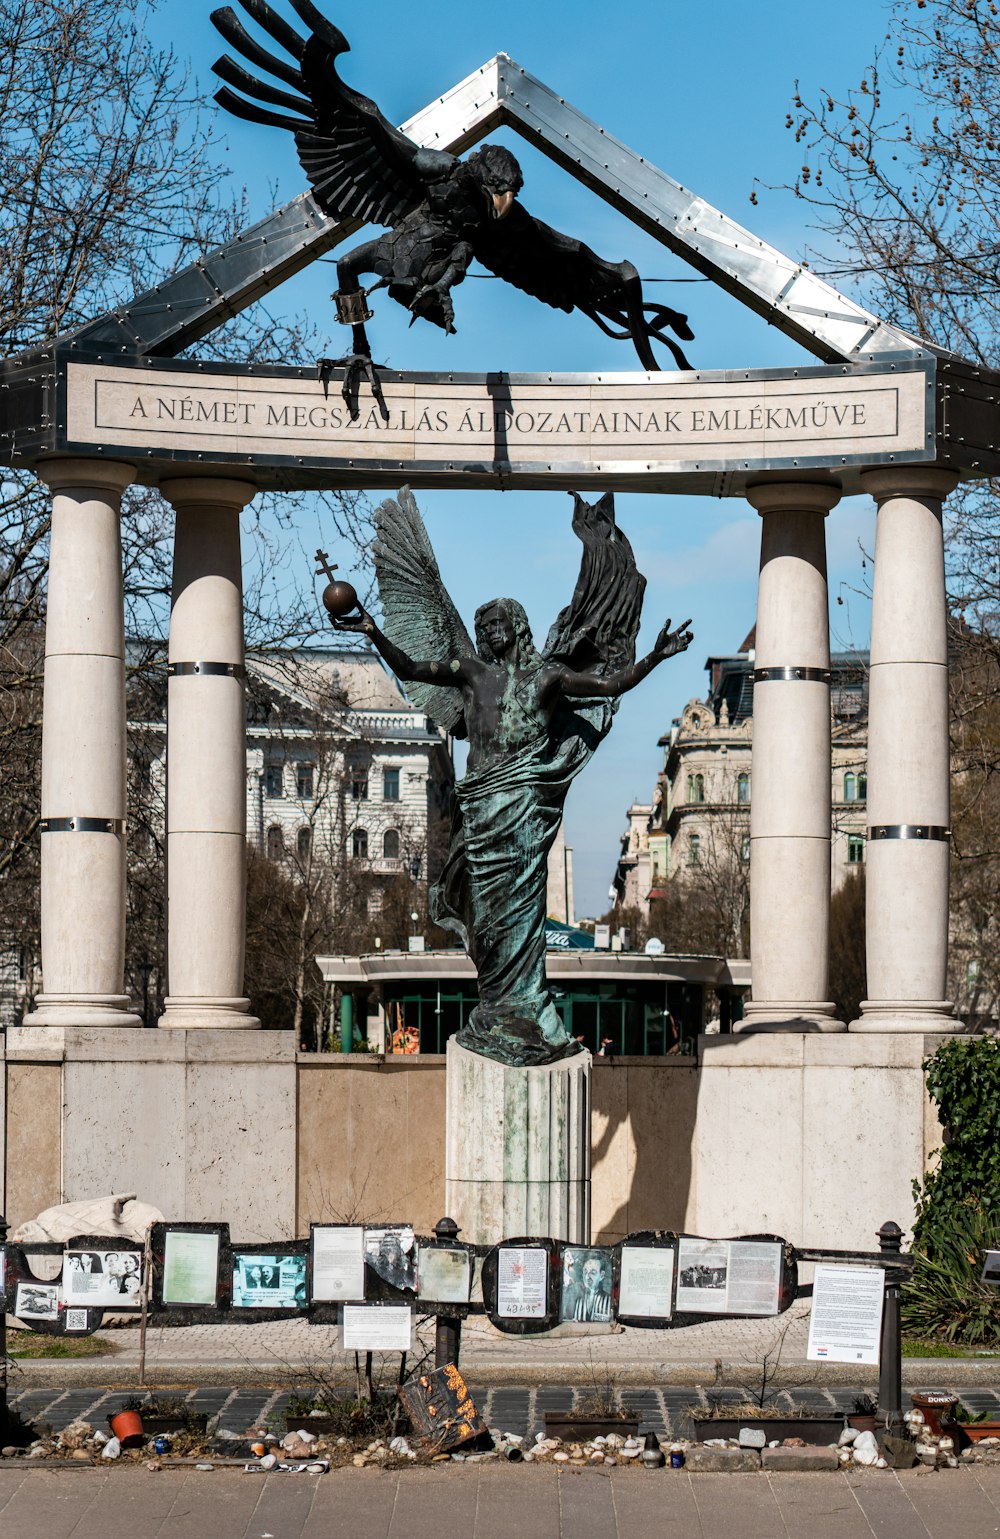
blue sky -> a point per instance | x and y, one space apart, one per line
701 91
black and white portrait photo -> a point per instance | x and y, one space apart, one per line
391 1252
586 1284
103 1279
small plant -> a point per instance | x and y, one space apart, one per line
132 1403
604 1396
864 1405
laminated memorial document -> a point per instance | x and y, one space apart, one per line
338 1262
443 1274
846 1322
728 1277
522 1283
268 1282
647 1280
376 1327
190 1267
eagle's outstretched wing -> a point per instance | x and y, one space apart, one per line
566 274
419 616
359 164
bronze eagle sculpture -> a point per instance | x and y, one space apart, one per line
442 212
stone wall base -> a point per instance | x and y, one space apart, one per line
517 1156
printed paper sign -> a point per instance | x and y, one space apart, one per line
846 1323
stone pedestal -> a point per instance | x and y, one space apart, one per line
518 1148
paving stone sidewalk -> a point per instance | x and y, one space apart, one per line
495 1502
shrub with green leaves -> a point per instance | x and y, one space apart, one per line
958 1202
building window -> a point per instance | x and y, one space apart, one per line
359 784
274 780
862 787
390 785
696 788
390 844
850 787
855 849
745 849
694 849
743 787
303 842
304 782
275 842
359 844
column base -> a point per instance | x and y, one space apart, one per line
194 1013
518 1148
82 1010
916 1015
786 1015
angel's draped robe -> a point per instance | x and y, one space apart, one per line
493 889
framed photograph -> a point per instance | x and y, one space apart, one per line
391 1253
191 1267
444 1274
587 1292
109 1279
37 1301
269 1281
702 1276
338 1263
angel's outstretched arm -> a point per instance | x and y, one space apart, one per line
453 672
594 685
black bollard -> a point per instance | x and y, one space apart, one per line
890 1378
448 1333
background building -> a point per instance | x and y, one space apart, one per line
697 823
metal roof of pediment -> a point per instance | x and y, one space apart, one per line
201 297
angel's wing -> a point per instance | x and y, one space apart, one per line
597 629
359 164
566 274
419 616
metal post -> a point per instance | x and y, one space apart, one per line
3 1329
448 1335
890 1378
346 1023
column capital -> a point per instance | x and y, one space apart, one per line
208 491
909 481
793 496
62 474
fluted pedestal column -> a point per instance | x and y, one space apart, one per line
83 753
206 760
908 758
790 801
517 1158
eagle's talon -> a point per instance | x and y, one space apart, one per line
357 367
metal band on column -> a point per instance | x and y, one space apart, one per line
75 825
791 675
210 670
908 831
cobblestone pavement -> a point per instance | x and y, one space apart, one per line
508 1407
495 1502
279 1352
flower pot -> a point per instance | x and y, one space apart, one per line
862 1422
975 1431
814 1430
127 1428
579 1429
194 1422
937 1405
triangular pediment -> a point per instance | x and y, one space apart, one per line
200 298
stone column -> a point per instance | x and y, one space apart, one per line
517 1150
908 758
83 752
790 792
206 759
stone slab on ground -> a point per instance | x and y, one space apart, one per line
722 1461
799 1459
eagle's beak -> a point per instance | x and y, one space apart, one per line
502 203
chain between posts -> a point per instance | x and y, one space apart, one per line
448 1330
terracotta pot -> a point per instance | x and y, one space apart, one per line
127 1428
977 1430
936 1404
862 1422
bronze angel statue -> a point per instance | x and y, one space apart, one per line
532 720
442 212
